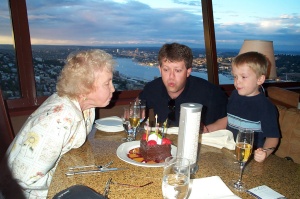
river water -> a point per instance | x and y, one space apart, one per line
131 69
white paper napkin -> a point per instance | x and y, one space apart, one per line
218 139
171 130
210 188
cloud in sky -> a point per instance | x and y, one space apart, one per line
123 22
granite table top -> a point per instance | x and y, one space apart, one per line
279 174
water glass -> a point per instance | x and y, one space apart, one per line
126 125
176 178
143 109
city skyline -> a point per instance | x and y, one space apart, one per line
153 23
135 67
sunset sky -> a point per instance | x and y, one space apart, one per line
155 22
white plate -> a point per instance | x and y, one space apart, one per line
109 121
124 148
109 124
111 129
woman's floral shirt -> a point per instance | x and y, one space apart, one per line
56 127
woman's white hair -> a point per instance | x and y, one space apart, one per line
78 75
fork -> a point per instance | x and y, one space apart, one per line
88 166
107 188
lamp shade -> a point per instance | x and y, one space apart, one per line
265 48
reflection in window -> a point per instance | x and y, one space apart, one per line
9 78
274 21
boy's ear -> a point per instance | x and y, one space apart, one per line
261 80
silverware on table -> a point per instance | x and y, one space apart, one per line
107 188
90 166
86 169
131 185
70 173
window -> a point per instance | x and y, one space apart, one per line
132 31
9 79
275 21
30 62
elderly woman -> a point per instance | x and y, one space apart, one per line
62 122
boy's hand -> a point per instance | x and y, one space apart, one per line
260 155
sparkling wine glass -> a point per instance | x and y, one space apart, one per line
176 178
134 118
243 150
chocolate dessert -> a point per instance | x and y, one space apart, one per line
157 153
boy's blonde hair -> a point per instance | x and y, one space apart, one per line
255 60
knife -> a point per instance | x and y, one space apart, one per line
70 173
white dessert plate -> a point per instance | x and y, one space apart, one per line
124 148
109 124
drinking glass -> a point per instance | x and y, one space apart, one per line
143 109
134 118
142 104
126 124
243 150
176 178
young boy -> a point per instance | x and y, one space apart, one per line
248 108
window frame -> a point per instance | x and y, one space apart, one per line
29 101
23 57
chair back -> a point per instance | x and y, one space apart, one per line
6 131
283 97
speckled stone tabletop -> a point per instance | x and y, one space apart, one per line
281 175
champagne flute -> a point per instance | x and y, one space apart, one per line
134 118
243 150
176 178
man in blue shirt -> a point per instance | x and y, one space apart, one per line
176 86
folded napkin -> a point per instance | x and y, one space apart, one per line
171 130
210 188
218 139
